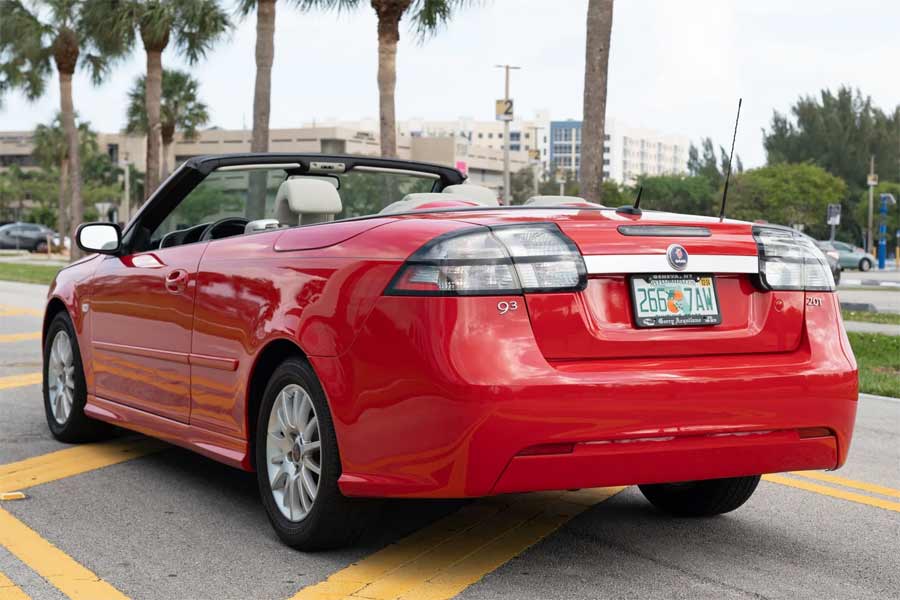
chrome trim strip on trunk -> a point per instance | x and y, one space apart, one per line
657 263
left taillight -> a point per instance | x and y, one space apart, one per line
485 261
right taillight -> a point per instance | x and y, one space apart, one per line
790 261
493 261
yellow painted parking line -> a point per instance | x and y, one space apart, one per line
443 559
10 591
51 563
14 381
19 311
19 337
72 461
850 483
833 492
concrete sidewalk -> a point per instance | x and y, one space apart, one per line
863 327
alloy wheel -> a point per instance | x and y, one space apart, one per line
294 452
61 377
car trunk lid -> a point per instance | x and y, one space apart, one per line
600 322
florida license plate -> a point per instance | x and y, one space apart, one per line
675 300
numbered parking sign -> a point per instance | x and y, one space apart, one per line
504 109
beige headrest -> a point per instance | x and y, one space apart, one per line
476 193
306 196
412 202
556 201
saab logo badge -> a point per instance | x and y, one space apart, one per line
678 257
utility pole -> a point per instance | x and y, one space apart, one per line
506 115
872 181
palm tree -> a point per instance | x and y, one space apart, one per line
180 110
427 17
192 25
599 28
34 39
51 150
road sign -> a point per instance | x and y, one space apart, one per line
872 180
504 109
834 214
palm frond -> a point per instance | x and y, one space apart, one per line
199 23
24 50
429 16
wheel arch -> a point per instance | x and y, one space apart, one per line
267 360
54 306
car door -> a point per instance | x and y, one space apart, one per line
141 309
11 237
142 303
846 254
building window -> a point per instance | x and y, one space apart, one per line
500 136
480 135
515 136
490 135
515 147
527 135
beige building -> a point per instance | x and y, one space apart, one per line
483 164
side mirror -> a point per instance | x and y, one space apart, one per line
103 238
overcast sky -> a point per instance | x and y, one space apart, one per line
675 65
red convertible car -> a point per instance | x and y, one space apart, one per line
353 328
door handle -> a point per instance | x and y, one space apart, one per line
176 281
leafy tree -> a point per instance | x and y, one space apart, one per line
522 185
787 194
599 28
708 166
34 39
193 25
692 195
51 150
180 110
839 132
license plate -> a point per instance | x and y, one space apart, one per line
675 300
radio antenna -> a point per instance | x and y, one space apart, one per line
730 156
635 209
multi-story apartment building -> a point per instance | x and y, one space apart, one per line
627 152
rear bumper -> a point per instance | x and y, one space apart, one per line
442 397
668 459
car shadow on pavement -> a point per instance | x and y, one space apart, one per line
394 519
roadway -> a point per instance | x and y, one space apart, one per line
137 519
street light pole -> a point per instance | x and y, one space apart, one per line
507 196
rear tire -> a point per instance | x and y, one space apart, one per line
865 264
701 498
65 392
295 436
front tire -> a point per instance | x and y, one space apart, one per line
65 392
701 498
298 465
865 264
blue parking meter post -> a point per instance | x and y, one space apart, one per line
882 230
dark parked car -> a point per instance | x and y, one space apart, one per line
833 256
25 236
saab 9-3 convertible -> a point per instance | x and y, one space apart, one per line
353 328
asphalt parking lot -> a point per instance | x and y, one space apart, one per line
138 519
